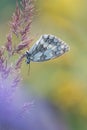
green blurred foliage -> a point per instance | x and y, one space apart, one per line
63 80
6 9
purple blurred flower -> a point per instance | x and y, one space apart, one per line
9 80
12 108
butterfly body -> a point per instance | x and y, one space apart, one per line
46 48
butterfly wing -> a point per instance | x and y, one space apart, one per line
47 47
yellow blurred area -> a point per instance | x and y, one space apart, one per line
71 96
66 9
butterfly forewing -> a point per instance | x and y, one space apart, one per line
47 47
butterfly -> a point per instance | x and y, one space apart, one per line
46 48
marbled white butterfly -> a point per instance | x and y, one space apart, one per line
46 48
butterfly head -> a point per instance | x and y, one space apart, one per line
28 57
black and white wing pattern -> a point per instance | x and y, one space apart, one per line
46 48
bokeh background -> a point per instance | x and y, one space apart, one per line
61 82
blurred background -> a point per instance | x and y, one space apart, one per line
62 82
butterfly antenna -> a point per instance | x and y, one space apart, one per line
29 69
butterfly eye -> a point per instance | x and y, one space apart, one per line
28 61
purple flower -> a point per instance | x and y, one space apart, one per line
12 108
